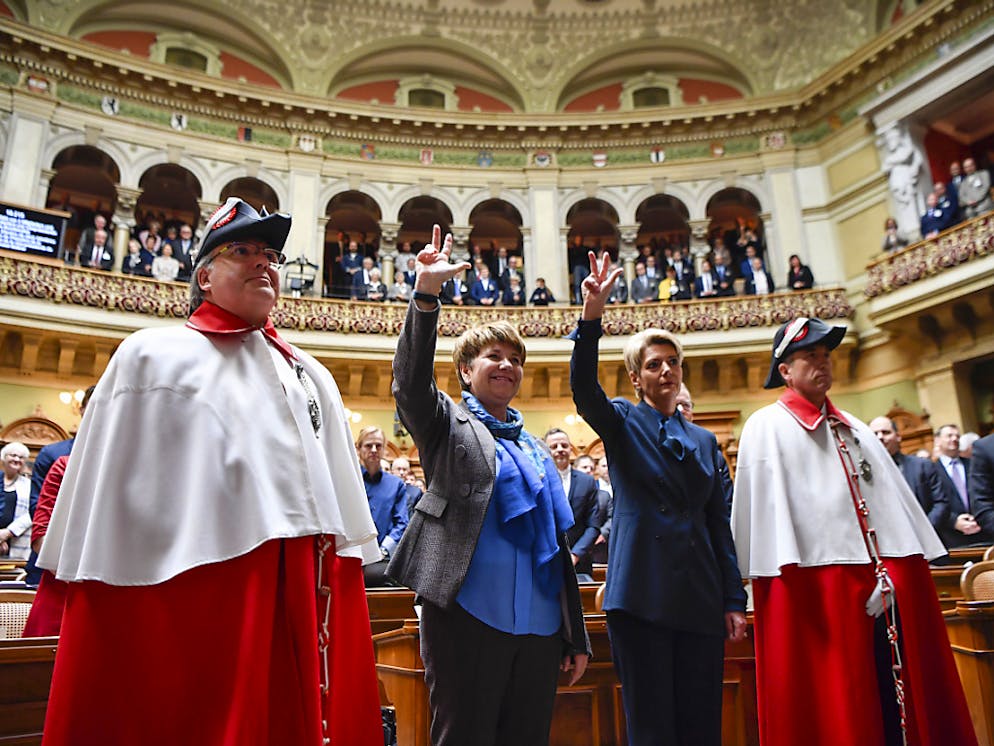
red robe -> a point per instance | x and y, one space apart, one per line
45 618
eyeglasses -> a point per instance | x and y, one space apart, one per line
246 251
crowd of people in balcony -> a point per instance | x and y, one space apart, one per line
966 196
663 272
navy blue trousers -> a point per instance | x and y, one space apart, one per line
670 682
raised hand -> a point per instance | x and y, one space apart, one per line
434 266
597 285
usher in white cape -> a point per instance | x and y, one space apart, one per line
199 448
792 506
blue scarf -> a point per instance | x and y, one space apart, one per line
674 438
531 515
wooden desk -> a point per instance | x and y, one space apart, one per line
25 678
971 635
390 607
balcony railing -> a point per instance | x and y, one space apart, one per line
121 293
963 243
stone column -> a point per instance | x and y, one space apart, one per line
546 253
44 182
628 251
699 247
388 251
27 133
124 221
321 234
942 391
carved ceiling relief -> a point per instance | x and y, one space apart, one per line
775 47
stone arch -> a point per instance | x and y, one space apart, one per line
577 77
352 215
273 180
403 196
736 222
476 198
253 190
85 184
620 206
170 195
664 221
496 221
417 215
505 86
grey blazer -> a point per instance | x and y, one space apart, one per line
459 458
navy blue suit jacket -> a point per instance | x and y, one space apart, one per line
981 484
671 558
586 517
925 481
949 535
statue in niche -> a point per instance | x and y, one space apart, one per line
903 163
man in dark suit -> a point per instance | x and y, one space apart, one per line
961 527
100 254
581 491
982 483
183 248
361 279
513 270
643 289
921 474
684 266
706 286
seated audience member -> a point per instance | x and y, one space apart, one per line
375 290
921 475
484 291
761 282
513 270
154 226
966 441
100 254
746 267
15 502
45 619
387 501
726 282
541 295
513 295
961 527
165 266
84 247
137 261
400 290
360 279
893 240
948 202
401 468
975 190
706 286
581 491
643 289
799 275
453 293
982 483
619 290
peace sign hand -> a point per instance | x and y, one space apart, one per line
597 285
434 267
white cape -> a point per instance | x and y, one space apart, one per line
196 449
792 505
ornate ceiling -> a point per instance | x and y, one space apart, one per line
533 54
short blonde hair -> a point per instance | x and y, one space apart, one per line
472 341
637 345
366 432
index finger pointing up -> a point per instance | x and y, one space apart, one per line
436 236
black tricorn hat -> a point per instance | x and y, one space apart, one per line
237 219
796 335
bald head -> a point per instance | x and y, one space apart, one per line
886 432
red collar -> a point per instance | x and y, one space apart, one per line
212 319
807 414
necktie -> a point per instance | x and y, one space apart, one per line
956 472
96 256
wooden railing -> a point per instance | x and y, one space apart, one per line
77 286
965 242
